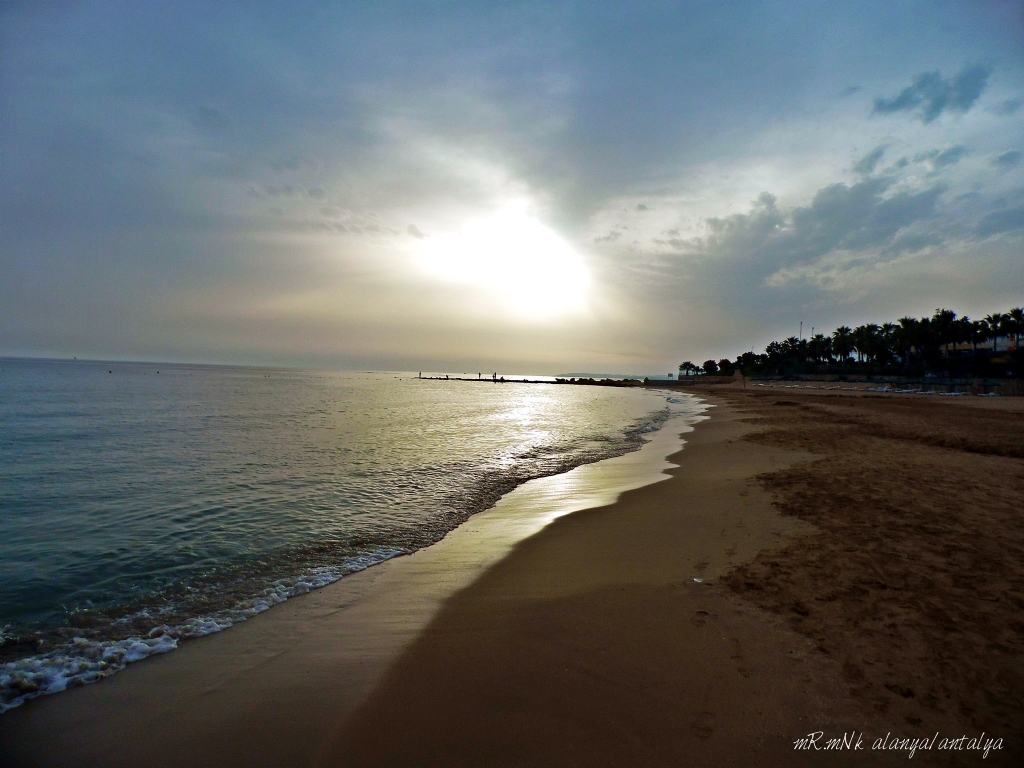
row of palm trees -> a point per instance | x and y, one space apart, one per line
937 342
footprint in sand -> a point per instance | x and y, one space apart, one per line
699 619
737 649
703 725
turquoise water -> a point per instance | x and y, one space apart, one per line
144 504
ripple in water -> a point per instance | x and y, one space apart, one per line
139 509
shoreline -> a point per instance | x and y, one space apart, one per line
609 639
345 632
702 620
47 660
594 643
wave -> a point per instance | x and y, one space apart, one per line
84 660
109 638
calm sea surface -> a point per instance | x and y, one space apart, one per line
143 504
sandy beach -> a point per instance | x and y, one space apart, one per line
816 562
511 384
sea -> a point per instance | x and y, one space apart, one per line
145 504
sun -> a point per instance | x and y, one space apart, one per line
513 257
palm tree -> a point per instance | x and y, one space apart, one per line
794 348
943 322
842 342
887 339
871 337
907 337
996 326
865 339
978 333
1016 316
927 339
961 331
820 347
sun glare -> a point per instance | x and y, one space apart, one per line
514 257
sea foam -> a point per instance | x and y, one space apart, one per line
85 661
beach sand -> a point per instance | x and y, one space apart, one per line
914 582
692 622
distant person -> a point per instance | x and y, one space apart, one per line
494 376
446 377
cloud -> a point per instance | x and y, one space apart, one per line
413 230
847 224
641 207
930 95
1008 159
609 238
1008 107
939 159
950 156
579 106
998 222
869 162
208 118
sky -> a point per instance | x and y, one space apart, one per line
535 187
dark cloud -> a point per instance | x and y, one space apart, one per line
930 94
745 249
641 207
950 156
856 217
413 230
998 222
209 119
610 237
849 91
944 158
1008 159
287 164
869 162
1008 107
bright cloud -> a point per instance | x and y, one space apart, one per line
513 257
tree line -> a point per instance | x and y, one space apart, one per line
941 344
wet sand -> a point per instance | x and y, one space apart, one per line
692 622
593 644
266 691
609 639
